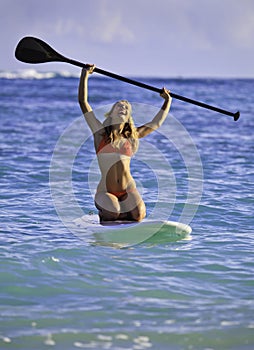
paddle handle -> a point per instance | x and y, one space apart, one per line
235 115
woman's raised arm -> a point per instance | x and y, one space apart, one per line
159 118
94 124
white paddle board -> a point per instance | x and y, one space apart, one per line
126 234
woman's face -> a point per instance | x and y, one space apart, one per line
121 112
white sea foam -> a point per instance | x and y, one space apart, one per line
34 74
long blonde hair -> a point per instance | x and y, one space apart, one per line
129 130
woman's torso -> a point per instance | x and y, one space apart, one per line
114 163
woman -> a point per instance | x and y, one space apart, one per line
115 141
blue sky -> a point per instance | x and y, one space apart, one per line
167 38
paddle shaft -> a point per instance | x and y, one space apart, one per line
155 89
34 50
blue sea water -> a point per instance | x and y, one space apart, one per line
61 291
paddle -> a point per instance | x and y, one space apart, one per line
34 50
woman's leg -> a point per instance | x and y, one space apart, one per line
133 207
129 207
108 206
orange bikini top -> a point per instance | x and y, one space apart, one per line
105 147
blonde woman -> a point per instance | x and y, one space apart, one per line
116 140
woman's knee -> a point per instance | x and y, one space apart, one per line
139 213
134 206
107 202
108 216
108 206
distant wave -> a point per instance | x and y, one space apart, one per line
34 74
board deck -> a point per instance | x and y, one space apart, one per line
127 234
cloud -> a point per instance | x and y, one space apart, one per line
111 25
176 36
243 32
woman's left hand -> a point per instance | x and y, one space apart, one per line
165 94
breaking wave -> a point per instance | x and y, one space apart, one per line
34 74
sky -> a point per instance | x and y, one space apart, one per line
164 38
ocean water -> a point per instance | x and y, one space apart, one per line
60 290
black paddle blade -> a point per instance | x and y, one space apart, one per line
34 50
